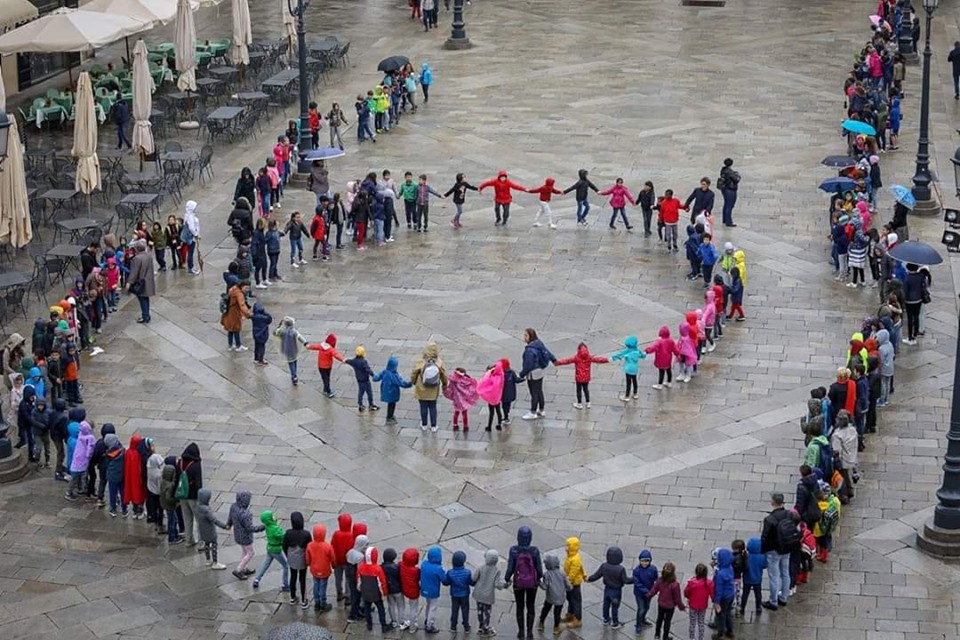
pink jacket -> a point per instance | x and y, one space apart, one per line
688 350
274 176
663 349
710 309
619 196
461 391
490 388
865 216
876 65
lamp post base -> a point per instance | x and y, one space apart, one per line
13 465
926 208
943 544
457 44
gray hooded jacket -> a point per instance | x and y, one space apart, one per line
555 581
241 520
207 520
886 351
487 578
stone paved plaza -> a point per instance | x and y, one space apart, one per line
645 90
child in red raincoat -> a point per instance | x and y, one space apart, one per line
664 350
582 363
133 480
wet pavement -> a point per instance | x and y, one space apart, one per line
643 90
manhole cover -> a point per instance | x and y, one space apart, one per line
703 3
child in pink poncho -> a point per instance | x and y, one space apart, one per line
490 390
663 350
462 392
688 353
710 318
864 210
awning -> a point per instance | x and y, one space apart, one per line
16 12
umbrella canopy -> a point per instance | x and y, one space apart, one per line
185 43
856 126
393 63
916 252
327 153
837 185
143 87
15 225
299 631
242 33
839 161
156 12
85 138
70 30
903 195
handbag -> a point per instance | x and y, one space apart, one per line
926 296
137 287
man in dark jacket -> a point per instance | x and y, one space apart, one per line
58 433
702 198
728 184
778 556
88 259
121 113
141 282
191 465
954 60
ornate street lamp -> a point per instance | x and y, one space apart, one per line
305 145
926 205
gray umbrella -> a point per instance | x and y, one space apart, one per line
298 631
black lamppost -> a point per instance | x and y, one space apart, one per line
926 205
458 35
306 141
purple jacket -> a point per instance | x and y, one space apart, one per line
83 449
462 391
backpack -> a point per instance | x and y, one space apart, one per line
825 461
812 513
788 534
430 376
525 574
543 358
224 303
182 489
829 519
186 235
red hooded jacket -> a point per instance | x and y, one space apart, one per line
342 538
133 473
318 227
326 354
582 362
691 318
670 210
546 190
320 557
501 188
410 573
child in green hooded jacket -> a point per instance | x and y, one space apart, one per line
275 535
631 356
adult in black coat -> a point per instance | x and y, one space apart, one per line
241 220
191 465
807 490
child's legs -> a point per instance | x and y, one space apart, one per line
544 610
292 365
115 489
338 571
274 260
707 270
245 557
259 351
843 261
575 602
319 591
391 410
361 233
606 606
483 615
172 532
265 203
667 619
885 387
368 605
506 409
615 606
325 377
725 619
410 617
430 612
631 383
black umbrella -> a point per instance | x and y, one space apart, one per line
839 161
299 631
393 63
916 252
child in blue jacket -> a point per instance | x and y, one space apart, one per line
261 321
363 374
708 258
645 574
724 592
458 579
432 576
390 384
692 246
753 575
631 356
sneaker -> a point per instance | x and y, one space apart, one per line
230 348
711 347
506 421
529 416
793 591
539 413
360 409
249 572
434 429
295 265
623 398
267 282
304 604
668 384
423 428
769 606
657 386
218 566
302 261
617 625
374 407
537 224
260 286
177 541
553 225
588 405
242 348
256 584
112 512
239 575
70 497
577 405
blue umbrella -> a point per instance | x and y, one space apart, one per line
916 252
839 161
327 153
838 185
903 195
856 126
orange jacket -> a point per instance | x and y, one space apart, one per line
326 352
320 556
